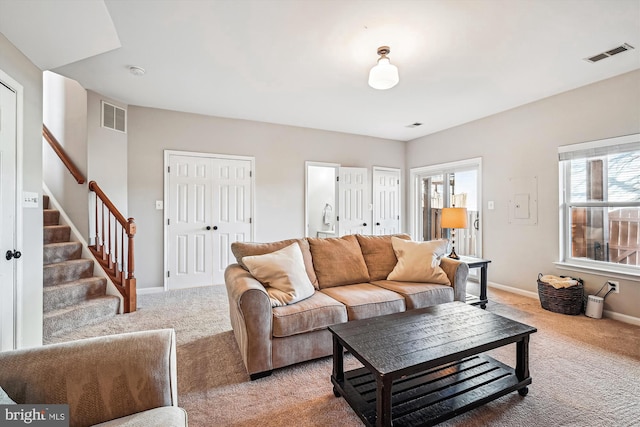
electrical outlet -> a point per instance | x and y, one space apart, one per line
613 285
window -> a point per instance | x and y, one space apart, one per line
600 204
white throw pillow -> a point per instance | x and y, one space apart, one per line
283 274
419 261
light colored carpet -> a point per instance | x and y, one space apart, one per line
586 372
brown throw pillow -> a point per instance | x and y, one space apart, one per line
378 254
243 249
338 261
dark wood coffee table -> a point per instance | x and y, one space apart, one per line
424 366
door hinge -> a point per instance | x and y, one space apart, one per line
250 219
168 221
168 169
338 178
250 174
398 217
337 218
398 182
168 274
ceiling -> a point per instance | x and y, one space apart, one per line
306 63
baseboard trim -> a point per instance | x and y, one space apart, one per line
153 290
607 313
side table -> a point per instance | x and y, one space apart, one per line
483 264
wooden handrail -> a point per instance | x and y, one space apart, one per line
114 255
57 147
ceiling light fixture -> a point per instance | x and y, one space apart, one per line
383 75
136 71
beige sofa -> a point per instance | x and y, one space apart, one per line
118 380
349 276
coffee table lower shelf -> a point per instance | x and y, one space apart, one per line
433 396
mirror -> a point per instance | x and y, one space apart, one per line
320 199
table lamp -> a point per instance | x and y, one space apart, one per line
453 218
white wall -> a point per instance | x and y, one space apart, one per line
321 191
107 153
65 114
280 153
522 143
19 68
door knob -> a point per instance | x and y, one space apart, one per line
215 227
208 227
364 225
14 254
377 223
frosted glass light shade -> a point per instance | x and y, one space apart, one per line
384 75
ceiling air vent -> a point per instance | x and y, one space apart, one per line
414 125
114 117
616 50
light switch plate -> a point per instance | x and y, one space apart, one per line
159 205
490 205
29 199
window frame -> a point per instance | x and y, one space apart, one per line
566 260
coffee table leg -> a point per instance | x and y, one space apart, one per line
383 401
522 363
338 364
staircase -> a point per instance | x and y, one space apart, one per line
73 296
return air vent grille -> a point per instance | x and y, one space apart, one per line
113 117
616 50
414 125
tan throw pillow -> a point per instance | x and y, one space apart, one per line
419 261
338 261
378 254
243 249
283 274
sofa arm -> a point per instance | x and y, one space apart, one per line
457 272
101 378
251 319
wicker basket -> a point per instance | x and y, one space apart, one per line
564 300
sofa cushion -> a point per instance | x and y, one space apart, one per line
418 295
311 314
378 254
164 416
419 261
364 300
338 261
283 274
243 249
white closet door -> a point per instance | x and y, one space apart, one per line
386 201
7 216
353 203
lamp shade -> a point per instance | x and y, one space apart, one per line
384 75
454 218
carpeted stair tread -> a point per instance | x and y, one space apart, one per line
61 251
86 313
68 294
56 233
45 201
66 271
51 216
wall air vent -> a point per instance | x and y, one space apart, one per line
414 125
113 117
616 50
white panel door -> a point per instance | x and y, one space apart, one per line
231 211
353 202
7 216
386 201
189 242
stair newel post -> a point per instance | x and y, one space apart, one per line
131 280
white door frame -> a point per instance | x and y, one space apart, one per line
167 154
19 228
373 195
416 174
